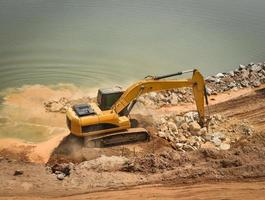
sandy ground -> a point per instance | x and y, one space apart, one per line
214 191
157 164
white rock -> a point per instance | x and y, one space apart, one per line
231 73
194 126
163 120
220 75
216 141
219 135
60 176
191 116
255 68
224 146
152 95
179 145
210 79
242 67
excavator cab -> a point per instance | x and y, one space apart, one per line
108 96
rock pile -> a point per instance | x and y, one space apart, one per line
185 134
62 170
63 104
60 105
251 75
169 97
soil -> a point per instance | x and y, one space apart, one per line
238 173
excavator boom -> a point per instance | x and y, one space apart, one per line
158 84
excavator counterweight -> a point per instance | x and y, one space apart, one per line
107 122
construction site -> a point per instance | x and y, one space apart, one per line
199 140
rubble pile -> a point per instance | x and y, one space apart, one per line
169 97
61 170
185 134
63 104
251 75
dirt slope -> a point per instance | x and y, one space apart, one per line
249 106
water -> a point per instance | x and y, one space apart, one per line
92 43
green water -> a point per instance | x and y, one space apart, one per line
97 42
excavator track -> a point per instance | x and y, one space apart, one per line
132 135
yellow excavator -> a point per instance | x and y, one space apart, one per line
107 122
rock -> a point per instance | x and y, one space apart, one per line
63 168
218 117
174 99
231 73
194 126
172 126
179 120
163 120
152 95
216 141
242 67
247 131
210 79
244 83
208 145
60 176
209 91
203 131
162 134
219 135
188 147
191 116
208 137
244 74
224 146
179 145
256 83
232 85
18 172
164 128
184 126
255 68
220 75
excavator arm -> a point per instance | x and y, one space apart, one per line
157 84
